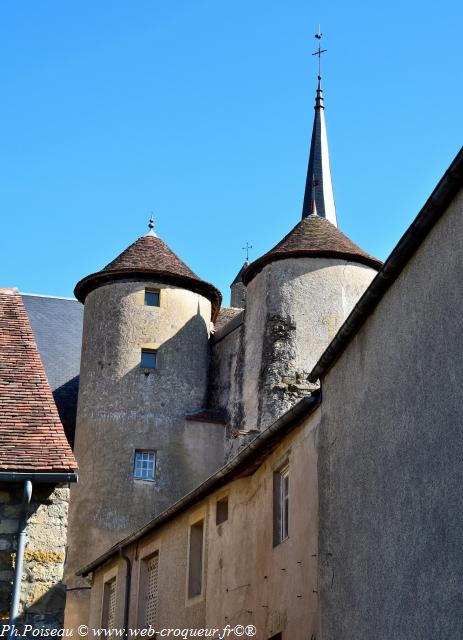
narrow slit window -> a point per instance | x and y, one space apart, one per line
152 297
108 616
221 514
195 565
149 359
280 505
144 465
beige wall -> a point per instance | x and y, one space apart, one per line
294 308
246 579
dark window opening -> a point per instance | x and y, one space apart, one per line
195 568
152 297
148 359
221 514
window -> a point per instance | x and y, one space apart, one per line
221 514
109 604
278 636
149 588
148 359
280 505
195 565
145 465
152 297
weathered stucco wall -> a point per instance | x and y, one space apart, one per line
226 376
42 591
246 579
294 308
123 407
391 465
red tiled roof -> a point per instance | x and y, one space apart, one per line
31 434
312 236
149 256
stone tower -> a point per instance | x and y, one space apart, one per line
145 352
238 290
298 294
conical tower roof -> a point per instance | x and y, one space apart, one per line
239 275
313 236
149 258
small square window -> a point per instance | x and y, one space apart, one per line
148 359
221 514
144 465
152 297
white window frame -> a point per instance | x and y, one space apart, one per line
149 452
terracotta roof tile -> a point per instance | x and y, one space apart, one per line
148 256
312 236
31 434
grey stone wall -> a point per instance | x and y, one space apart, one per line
42 591
391 461
238 295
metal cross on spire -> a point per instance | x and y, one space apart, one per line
319 51
246 248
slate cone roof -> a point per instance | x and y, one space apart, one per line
312 236
146 257
31 434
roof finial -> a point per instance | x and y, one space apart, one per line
151 227
319 53
246 248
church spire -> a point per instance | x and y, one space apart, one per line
318 195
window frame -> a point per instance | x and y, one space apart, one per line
153 291
191 596
281 504
219 515
109 578
142 587
152 452
147 351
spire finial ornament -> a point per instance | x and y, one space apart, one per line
151 227
246 248
318 196
319 53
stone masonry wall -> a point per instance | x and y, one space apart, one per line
43 594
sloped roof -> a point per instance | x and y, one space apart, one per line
57 327
146 257
239 275
31 434
312 236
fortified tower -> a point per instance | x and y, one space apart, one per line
144 368
299 293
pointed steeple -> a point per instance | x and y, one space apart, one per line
318 195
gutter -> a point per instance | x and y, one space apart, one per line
432 211
37 477
287 421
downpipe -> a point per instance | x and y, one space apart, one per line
21 545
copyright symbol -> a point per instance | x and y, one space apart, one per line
82 630
239 630
250 630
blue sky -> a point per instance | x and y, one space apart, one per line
201 111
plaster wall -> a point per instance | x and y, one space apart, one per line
294 308
246 579
123 407
391 464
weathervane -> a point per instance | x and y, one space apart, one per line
151 223
246 248
319 51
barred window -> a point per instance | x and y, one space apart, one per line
108 617
144 465
151 569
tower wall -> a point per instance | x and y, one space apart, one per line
123 407
294 308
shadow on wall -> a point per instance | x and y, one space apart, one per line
65 398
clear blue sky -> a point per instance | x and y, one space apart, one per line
201 111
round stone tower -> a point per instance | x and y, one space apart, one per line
144 367
298 295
